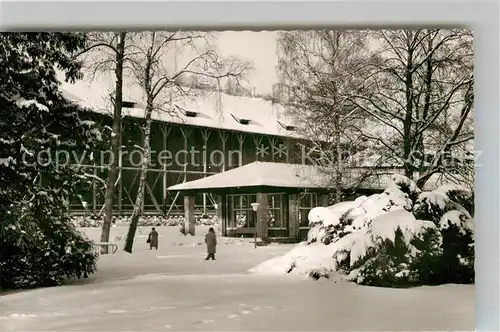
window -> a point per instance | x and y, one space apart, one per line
240 120
189 114
286 126
128 104
276 211
240 212
307 201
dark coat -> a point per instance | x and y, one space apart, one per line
211 241
153 237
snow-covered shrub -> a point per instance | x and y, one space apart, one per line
38 244
387 252
400 237
407 186
457 261
328 224
325 220
430 206
46 258
458 194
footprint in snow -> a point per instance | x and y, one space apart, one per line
204 321
161 308
117 311
22 316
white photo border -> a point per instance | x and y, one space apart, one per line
481 16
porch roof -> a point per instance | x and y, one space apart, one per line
280 175
261 174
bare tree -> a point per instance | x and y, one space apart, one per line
161 86
321 69
107 52
420 87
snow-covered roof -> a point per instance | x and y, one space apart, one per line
280 175
258 174
209 109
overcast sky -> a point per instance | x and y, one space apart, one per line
259 47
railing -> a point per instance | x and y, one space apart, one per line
99 246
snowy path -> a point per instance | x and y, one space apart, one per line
237 302
173 290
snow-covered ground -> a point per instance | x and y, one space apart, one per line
174 289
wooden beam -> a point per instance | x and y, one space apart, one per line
189 218
186 133
262 217
205 133
257 139
272 142
94 193
241 140
223 136
173 203
153 199
165 131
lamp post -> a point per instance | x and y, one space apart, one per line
255 207
219 226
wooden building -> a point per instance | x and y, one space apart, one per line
263 199
190 139
198 145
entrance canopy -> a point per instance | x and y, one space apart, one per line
261 174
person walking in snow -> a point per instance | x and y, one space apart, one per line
153 239
211 241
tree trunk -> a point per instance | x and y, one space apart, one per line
338 160
408 119
134 218
115 143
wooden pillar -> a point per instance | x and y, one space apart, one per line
241 140
221 220
165 131
223 138
206 135
257 142
94 192
288 150
185 133
272 142
293 215
262 217
189 219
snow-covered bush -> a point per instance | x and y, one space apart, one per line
400 237
390 249
457 261
39 131
45 258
